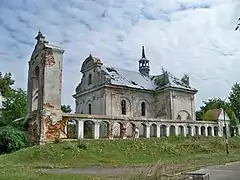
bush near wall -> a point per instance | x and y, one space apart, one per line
11 139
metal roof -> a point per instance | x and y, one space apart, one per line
134 79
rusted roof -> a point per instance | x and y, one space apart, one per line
212 114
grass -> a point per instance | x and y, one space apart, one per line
188 153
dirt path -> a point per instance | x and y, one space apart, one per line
117 171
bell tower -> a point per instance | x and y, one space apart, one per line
144 67
44 92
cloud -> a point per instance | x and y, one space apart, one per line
183 36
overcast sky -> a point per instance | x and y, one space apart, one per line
196 37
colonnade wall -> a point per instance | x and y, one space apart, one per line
100 126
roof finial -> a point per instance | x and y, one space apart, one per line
40 37
143 52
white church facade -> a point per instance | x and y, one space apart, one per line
113 91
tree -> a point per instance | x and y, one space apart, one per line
214 103
199 115
5 84
12 139
66 108
14 107
234 98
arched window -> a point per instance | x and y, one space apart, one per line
123 106
89 79
143 109
89 109
35 88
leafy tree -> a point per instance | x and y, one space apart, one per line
185 79
199 115
212 104
66 108
5 84
11 139
234 98
14 107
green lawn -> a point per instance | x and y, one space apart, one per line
190 152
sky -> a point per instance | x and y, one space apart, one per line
194 37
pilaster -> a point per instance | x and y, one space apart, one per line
80 131
96 130
147 131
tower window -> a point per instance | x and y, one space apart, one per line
89 79
89 109
123 105
143 109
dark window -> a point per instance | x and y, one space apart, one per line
143 108
89 109
89 79
179 117
123 105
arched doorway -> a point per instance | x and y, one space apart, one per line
163 130
203 131
172 130
143 130
153 130
71 129
181 130
189 131
130 130
103 129
89 129
117 130
209 131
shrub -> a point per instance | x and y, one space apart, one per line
11 139
80 145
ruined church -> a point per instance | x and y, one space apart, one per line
112 91
110 102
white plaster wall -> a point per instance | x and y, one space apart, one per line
133 99
163 105
221 125
95 98
183 103
53 81
221 116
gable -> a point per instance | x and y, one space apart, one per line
90 62
221 116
